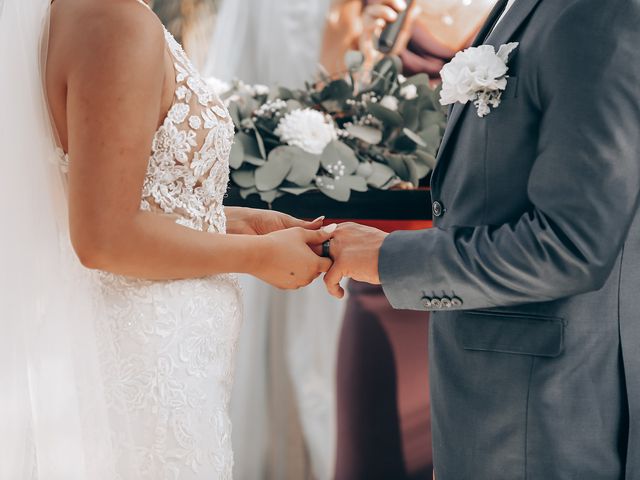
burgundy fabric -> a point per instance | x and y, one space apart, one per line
384 420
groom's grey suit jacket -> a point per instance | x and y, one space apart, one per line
533 267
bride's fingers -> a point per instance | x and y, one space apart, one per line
312 225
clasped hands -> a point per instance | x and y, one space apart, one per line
295 259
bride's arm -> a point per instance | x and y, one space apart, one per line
115 76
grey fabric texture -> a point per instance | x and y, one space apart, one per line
533 268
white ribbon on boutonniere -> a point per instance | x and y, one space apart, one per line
478 75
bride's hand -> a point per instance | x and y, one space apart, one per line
251 221
289 262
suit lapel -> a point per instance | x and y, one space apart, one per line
515 17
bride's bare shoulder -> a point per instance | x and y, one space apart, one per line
93 27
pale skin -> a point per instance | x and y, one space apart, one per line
110 83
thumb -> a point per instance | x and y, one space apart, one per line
317 237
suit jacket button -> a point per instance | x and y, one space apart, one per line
436 303
456 302
426 301
446 302
438 209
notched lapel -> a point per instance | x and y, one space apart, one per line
515 17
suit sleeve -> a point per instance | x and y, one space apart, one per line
584 185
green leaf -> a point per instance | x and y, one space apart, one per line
366 134
236 157
381 175
234 112
293 105
270 196
419 79
414 170
410 113
354 60
414 137
397 163
386 116
432 136
355 182
304 167
244 178
297 190
338 90
336 152
271 175
252 153
426 158
337 190
245 192
260 141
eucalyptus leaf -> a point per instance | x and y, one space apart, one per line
271 175
337 190
414 137
245 192
252 153
270 196
234 112
432 136
236 157
414 170
260 141
365 133
426 158
388 117
297 190
304 167
337 152
382 175
419 79
397 163
244 178
355 183
338 90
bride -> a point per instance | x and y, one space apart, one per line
119 315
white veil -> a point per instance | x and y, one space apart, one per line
53 408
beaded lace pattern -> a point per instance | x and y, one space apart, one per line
168 348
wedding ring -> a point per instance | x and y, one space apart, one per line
326 249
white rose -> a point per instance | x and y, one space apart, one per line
409 92
308 129
390 102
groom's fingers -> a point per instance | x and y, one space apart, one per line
332 281
324 265
318 237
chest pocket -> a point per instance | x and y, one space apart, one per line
512 333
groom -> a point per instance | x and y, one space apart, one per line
533 267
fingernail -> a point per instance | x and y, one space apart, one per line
402 4
330 228
318 219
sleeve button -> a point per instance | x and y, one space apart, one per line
446 302
456 302
436 303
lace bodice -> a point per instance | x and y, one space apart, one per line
188 169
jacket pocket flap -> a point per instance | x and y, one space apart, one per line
511 333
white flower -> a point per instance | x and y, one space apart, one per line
409 92
219 87
308 129
390 102
261 90
476 75
401 79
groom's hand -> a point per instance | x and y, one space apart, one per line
355 250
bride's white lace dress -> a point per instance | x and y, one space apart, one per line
168 347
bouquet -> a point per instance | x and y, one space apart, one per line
367 130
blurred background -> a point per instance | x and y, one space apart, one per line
325 389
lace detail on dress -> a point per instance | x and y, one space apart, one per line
169 347
189 166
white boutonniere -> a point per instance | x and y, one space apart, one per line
477 75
